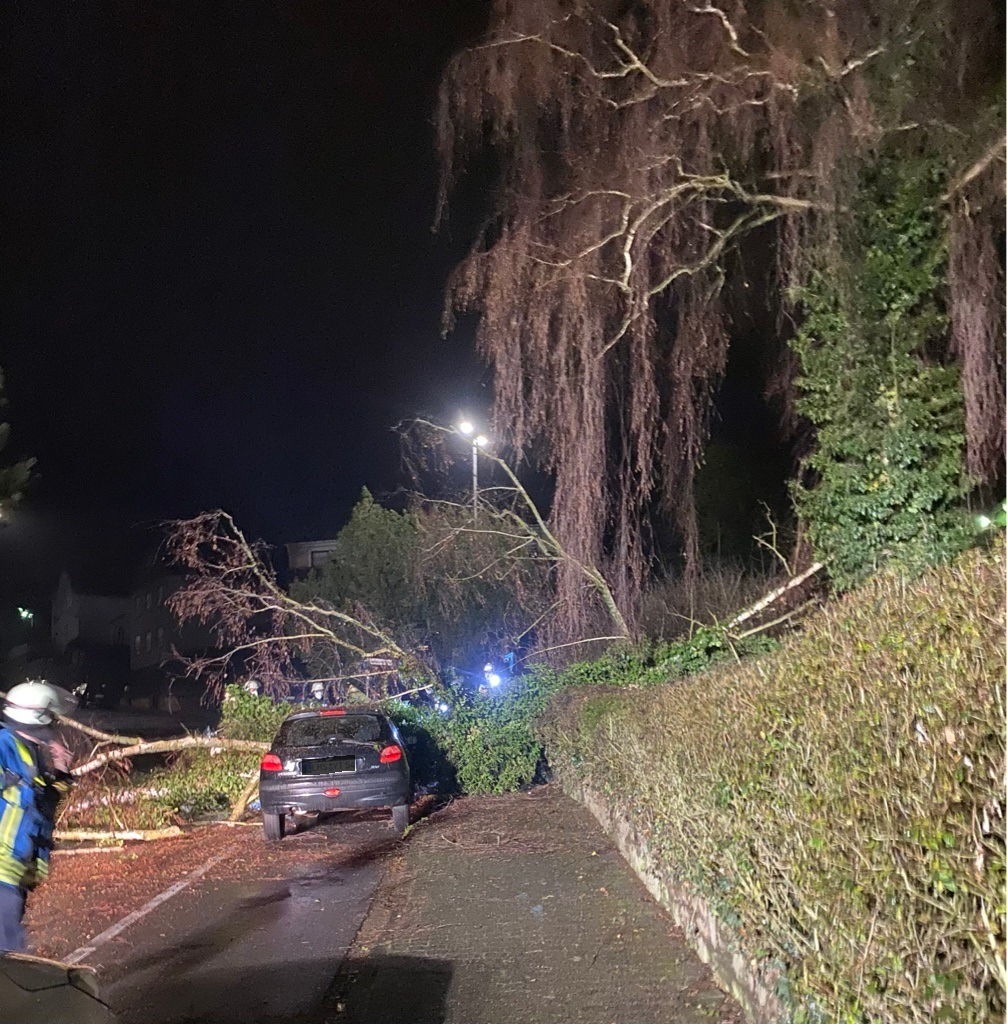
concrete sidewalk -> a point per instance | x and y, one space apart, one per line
518 909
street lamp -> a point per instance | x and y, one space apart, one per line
467 429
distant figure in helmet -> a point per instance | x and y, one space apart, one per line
34 774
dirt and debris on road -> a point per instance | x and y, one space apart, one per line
88 892
518 909
490 911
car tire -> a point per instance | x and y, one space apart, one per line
272 827
400 817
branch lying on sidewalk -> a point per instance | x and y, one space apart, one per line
89 849
133 835
163 747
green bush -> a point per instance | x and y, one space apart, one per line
648 664
487 743
199 782
839 801
247 717
489 739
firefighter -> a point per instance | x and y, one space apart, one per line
35 774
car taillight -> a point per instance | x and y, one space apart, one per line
270 763
392 753
329 712
334 791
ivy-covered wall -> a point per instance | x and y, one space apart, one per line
885 482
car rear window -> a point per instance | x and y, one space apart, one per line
317 730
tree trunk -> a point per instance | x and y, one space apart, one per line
162 747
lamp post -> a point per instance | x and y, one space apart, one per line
468 430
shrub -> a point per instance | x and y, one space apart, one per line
245 716
186 786
490 741
839 801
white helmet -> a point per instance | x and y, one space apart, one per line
36 703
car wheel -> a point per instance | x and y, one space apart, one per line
272 827
400 817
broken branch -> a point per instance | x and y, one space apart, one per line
164 747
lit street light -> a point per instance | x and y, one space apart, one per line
467 429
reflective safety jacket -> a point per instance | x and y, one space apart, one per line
28 809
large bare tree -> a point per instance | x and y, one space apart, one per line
637 142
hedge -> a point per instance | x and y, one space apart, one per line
839 802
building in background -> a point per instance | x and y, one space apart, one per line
159 643
89 618
117 648
304 556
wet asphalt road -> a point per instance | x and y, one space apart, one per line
249 951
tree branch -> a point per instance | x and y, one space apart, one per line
994 152
163 747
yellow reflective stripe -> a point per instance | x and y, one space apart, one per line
26 756
24 752
12 872
9 824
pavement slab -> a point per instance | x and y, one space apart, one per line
518 909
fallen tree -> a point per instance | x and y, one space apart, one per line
111 800
263 632
164 747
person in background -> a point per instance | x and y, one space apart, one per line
34 774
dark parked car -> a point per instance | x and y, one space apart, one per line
333 759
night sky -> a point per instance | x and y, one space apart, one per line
223 286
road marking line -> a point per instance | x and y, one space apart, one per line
120 926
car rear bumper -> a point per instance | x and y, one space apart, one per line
283 795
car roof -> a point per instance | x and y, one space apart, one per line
347 712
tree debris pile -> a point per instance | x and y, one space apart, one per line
126 784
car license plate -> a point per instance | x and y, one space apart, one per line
328 765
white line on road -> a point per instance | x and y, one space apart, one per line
120 926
